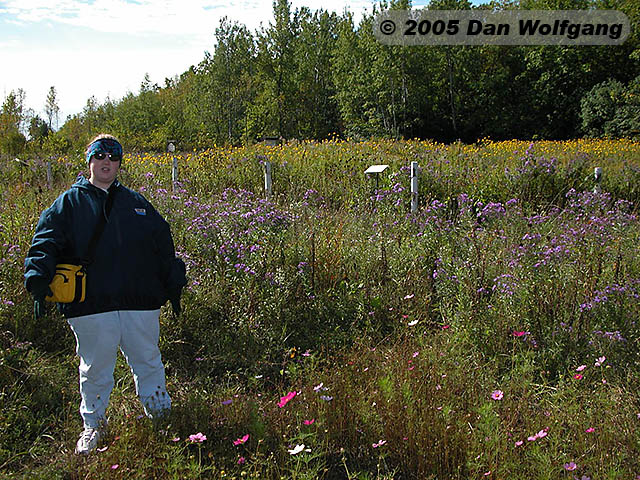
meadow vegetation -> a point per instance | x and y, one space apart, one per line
327 332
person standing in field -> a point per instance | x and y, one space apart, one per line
131 274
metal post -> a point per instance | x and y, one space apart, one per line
414 187
268 185
174 172
597 173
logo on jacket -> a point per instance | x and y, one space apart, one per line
141 211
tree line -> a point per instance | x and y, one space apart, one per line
315 74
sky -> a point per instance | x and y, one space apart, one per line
104 48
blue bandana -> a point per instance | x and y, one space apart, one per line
105 145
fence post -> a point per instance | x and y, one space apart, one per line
268 184
597 174
174 172
414 187
171 148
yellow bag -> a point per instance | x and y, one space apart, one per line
68 284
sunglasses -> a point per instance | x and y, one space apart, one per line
102 156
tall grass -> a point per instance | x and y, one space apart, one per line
491 334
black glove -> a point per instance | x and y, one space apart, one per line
39 289
174 298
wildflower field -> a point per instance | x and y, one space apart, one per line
328 332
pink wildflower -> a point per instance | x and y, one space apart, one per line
379 444
497 394
578 376
590 430
114 466
310 422
241 461
284 400
581 368
540 434
197 438
241 440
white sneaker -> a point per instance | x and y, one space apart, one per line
88 441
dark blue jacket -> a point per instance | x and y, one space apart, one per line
134 266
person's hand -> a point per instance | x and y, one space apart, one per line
40 290
174 298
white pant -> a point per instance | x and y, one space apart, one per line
98 338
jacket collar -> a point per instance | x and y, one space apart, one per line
83 183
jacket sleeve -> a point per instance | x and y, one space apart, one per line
48 241
173 269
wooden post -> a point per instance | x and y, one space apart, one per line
414 187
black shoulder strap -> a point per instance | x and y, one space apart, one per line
93 243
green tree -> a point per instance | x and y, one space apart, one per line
612 109
558 77
366 80
316 115
51 108
349 77
273 110
391 90
231 83
38 131
12 141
